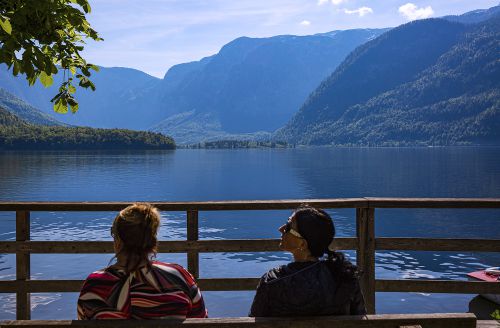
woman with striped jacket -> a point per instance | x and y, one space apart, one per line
136 287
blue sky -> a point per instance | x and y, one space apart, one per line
153 35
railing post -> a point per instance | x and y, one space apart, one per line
23 302
365 231
192 235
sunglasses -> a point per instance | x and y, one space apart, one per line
288 229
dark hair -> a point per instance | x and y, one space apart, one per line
136 227
317 228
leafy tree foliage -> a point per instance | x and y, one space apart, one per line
39 37
16 134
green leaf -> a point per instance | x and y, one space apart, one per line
46 80
72 69
16 68
74 108
31 77
56 97
61 106
87 8
85 71
92 86
71 89
73 104
5 24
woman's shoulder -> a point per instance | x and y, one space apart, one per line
173 269
106 274
283 272
167 266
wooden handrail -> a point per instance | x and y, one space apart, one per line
239 205
365 243
171 246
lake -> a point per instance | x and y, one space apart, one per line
196 175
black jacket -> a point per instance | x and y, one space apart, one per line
307 289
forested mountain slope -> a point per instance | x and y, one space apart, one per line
25 111
430 82
251 84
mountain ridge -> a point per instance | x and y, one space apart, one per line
465 77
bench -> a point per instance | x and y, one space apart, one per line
434 320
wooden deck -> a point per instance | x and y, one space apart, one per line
365 242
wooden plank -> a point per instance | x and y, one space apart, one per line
433 202
488 324
171 246
438 244
235 205
68 286
455 320
232 205
220 284
438 286
365 230
23 304
228 284
193 257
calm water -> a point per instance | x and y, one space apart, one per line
185 175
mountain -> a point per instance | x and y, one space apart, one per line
475 16
429 82
124 98
25 111
252 84
9 119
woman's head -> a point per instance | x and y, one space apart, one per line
135 231
308 227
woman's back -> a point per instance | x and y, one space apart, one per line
158 291
307 289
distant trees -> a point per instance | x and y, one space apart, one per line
16 134
232 144
38 37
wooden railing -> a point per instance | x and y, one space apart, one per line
365 243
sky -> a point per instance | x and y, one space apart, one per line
153 35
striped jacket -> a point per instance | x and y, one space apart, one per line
165 290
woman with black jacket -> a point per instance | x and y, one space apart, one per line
309 286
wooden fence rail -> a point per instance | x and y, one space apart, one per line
365 243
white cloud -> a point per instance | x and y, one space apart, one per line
334 2
305 23
412 12
360 11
